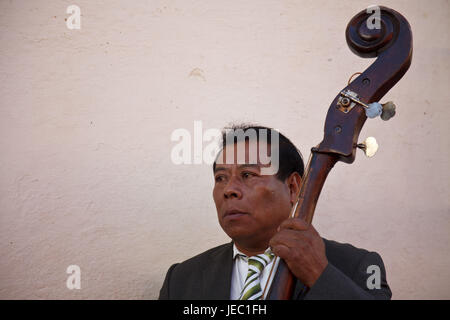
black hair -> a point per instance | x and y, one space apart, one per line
290 158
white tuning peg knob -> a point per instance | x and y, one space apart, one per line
369 146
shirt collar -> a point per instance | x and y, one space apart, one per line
237 252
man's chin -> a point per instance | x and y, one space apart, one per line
238 233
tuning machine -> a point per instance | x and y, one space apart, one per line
369 146
348 99
388 110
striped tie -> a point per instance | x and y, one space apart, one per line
252 287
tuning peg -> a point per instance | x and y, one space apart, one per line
388 111
369 146
373 110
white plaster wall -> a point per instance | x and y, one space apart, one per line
86 117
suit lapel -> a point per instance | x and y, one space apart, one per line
217 274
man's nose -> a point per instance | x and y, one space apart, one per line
232 189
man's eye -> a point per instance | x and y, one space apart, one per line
219 178
247 175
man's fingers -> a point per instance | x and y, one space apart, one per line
289 239
281 251
288 235
295 224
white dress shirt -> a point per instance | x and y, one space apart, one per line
240 270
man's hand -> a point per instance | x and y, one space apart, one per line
302 248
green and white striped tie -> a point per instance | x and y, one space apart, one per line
252 286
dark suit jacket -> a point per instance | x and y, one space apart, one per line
207 276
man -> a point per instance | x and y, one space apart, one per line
253 209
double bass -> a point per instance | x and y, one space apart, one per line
379 32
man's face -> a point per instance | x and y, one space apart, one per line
250 206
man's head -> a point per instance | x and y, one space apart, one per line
250 206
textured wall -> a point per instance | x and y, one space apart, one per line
86 118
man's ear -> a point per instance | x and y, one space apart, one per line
294 182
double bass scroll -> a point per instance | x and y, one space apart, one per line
391 44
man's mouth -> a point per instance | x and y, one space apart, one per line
234 213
